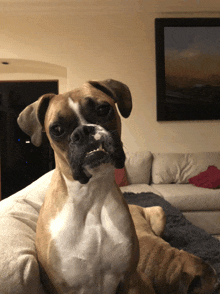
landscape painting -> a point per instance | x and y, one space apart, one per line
189 64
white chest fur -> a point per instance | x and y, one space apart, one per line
91 234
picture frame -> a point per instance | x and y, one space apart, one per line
187 68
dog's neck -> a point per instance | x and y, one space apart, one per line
100 186
97 210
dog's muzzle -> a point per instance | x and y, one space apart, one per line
92 145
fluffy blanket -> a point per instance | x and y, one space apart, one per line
179 232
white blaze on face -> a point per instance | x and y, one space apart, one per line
100 131
97 136
75 107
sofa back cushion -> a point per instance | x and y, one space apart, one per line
168 168
138 167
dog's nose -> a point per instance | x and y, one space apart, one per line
82 134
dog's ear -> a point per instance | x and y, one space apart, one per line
31 119
157 218
118 92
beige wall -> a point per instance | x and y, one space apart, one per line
75 41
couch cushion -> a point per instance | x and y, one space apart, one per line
187 197
121 177
138 167
207 179
18 217
139 188
206 220
170 168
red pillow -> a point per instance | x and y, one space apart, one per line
121 177
207 179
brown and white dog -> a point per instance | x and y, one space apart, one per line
85 238
168 269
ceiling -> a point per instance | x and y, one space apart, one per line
52 7
105 7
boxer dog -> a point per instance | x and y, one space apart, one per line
85 237
170 270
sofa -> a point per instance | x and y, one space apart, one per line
164 174
168 174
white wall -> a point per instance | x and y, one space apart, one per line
98 39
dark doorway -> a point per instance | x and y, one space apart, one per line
21 161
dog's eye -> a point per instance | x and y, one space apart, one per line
103 110
57 130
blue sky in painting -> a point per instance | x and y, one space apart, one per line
192 56
204 39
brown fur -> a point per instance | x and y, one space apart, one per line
37 118
169 270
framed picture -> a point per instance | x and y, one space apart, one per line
188 68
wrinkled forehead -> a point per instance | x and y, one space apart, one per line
82 94
74 101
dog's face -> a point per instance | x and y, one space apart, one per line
83 126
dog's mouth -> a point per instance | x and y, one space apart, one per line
87 160
92 150
96 156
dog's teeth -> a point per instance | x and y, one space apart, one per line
98 149
101 148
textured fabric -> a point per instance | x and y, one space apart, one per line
179 232
187 197
207 179
206 220
18 217
138 167
121 177
169 168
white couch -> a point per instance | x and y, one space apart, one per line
167 174
163 174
